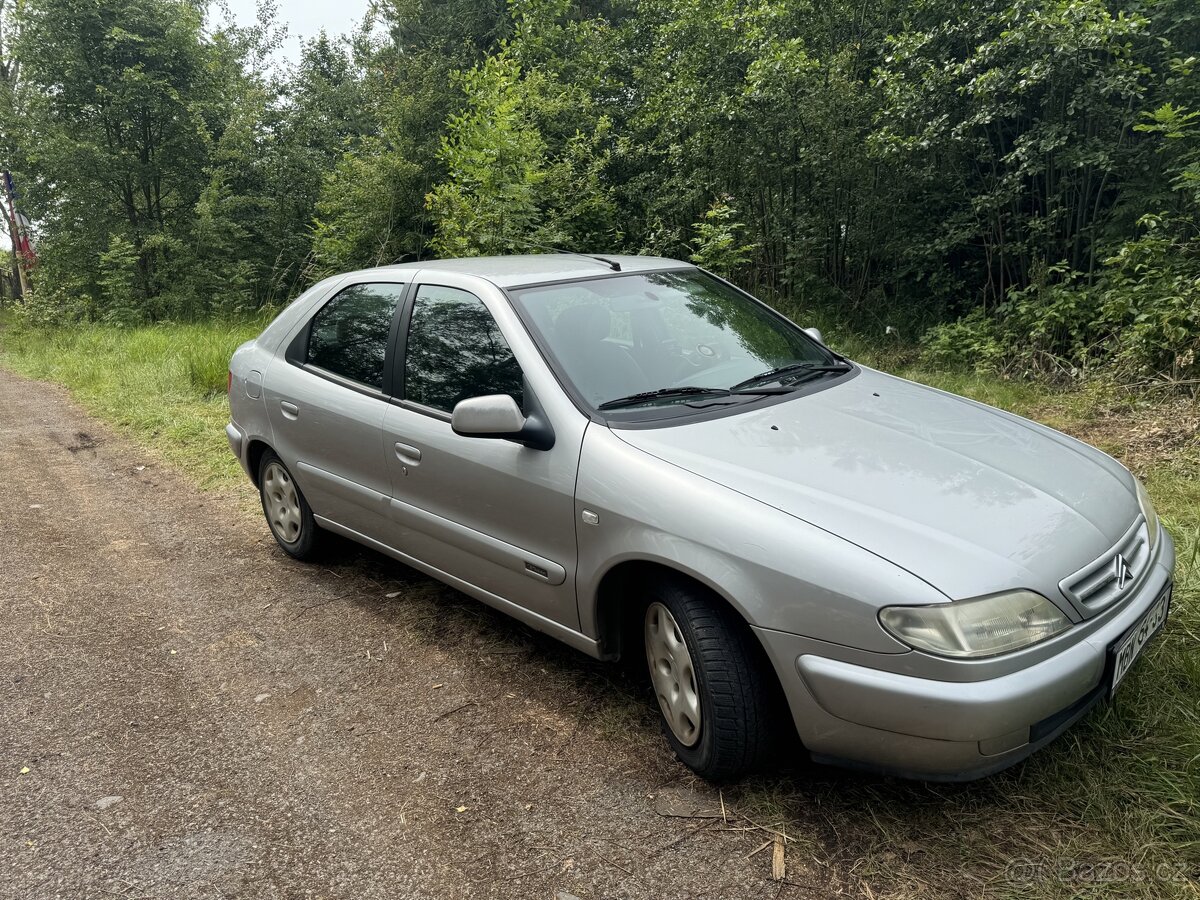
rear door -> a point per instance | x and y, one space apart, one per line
492 513
327 400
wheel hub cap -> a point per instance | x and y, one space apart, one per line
672 674
282 503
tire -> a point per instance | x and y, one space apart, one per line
734 692
288 514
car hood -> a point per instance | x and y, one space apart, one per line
971 499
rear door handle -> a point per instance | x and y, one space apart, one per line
291 410
408 454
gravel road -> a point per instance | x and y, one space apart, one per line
186 712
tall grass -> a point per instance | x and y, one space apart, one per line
165 384
1120 793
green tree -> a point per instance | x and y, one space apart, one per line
284 139
1015 121
495 162
719 244
372 206
114 135
1030 166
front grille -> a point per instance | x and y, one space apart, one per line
1102 581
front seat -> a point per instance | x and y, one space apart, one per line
600 369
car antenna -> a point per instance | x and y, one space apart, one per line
611 263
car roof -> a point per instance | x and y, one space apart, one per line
512 271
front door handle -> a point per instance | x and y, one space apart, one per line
408 454
291 410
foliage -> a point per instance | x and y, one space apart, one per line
719 243
370 193
496 166
504 191
1153 301
1027 171
1023 111
1140 310
372 204
122 97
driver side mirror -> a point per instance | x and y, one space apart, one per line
815 333
498 416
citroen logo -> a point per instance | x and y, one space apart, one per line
1120 572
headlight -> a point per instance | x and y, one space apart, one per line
1148 512
984 626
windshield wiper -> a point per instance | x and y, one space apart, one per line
685 391
800 370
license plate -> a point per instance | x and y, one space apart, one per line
1130 646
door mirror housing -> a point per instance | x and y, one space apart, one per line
498 416
815 333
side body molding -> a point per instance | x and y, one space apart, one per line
480 544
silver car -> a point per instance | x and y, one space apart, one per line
638 458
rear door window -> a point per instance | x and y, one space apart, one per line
455 350
349 336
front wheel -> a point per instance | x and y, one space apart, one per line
288 513
708 677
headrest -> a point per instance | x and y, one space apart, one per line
583 324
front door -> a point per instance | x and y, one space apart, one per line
494 514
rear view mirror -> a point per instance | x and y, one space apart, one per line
498 416
815 333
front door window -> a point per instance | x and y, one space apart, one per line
455 350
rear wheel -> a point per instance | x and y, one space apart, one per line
288 513
713 694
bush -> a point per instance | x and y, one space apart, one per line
973 342
1154 293
720 243
1140 319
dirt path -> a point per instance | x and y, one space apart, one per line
280 730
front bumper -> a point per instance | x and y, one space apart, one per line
868 717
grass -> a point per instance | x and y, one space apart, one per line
1112 808
164 385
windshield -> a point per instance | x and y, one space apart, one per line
683 337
